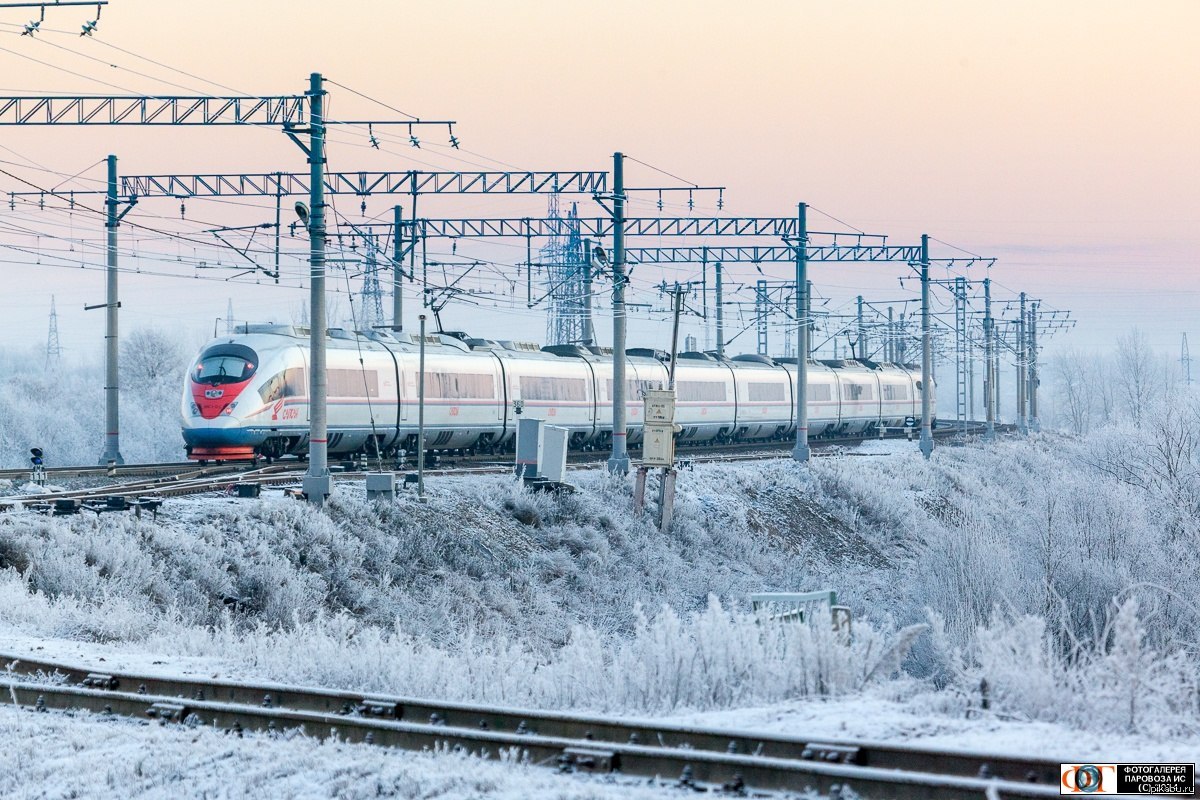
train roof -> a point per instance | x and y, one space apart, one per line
266 336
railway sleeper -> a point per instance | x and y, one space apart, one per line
587 759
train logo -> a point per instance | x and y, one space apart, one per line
213 394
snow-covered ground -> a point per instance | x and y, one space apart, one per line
1059 571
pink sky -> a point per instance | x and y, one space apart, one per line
1059 137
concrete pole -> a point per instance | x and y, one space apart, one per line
317 482
397 270
421 417
618 462
112 398
1022 419
801 451
720 300
1032 379
926 355
989 379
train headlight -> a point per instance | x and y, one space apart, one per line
195 410
228 410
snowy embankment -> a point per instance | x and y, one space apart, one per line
1052 569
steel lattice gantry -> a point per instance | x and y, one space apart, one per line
363 184
294 114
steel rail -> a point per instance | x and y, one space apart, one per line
552 723
367 723
101 471
203 480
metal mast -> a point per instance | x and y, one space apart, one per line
317 482
801 451
1032 377
618 462
1022 420
926 355
989 375
112 421
960 352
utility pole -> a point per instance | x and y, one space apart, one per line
926 355
112 413
720 300
618 462
801 451
1032 379
989 375
317 482
397 270
1022 419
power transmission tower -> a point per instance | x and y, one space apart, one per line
54 349
565 261
1185 361
372 292
762 314
229 318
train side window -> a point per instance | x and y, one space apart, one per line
893 392
460 386
856 392
766 392
820 392
288 383
710 391
543 388
634 390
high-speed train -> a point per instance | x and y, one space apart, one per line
246 394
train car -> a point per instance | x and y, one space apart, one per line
246 395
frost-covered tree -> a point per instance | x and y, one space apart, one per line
151 357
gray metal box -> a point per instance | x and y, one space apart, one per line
552 453
529 434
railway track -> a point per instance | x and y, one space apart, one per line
197 479
704 759
115 471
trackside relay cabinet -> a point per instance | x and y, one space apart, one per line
658 442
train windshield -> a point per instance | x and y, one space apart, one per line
229 363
